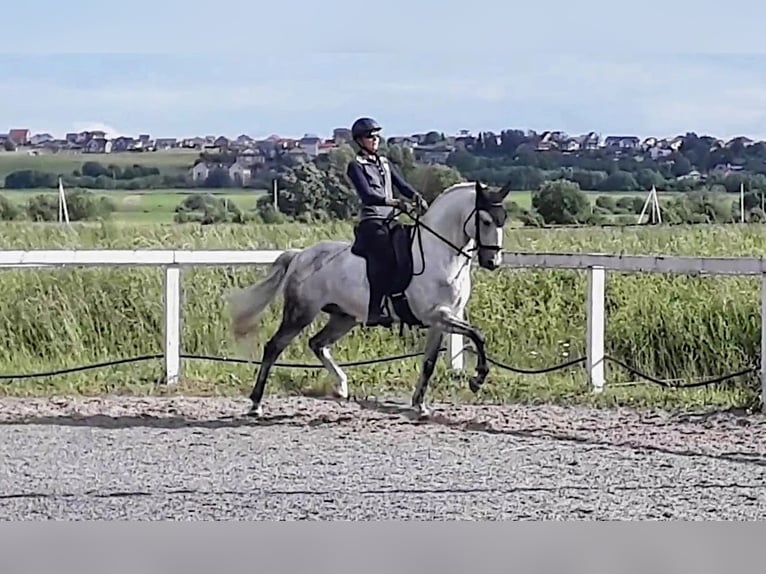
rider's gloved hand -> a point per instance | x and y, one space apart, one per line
420 201
395 202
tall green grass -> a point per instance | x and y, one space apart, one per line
671 326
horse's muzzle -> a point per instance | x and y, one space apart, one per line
488 263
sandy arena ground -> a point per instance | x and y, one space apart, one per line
200 458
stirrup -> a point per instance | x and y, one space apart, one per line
381 320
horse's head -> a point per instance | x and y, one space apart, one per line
486 227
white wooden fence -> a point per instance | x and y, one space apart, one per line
596 265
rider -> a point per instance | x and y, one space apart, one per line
374 179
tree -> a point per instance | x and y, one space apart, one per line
9 211
562 201
82 205
402 157
431 180
208 209
308 192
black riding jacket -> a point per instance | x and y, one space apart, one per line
374 183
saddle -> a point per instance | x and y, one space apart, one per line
394 285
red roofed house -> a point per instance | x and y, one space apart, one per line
19 137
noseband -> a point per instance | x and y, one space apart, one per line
496 212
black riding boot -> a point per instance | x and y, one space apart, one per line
375 313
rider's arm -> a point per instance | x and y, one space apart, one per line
368 197
400 184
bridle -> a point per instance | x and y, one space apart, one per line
495 209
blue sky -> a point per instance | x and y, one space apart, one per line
307 67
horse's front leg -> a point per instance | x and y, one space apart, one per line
451 323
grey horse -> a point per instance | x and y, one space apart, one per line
466 218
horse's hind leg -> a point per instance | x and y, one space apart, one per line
338 325
433 344
295 318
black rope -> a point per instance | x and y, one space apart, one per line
143 358
675 385
363 362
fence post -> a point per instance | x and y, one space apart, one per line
172 324
596 313
763 342
455 357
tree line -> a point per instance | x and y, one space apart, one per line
318 190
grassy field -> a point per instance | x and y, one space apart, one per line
673 327
158 205
147 206
524 198
169 162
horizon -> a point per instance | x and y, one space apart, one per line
110 134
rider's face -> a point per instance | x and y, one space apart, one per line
371 141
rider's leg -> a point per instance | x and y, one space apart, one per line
378 268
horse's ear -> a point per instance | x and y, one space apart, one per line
504 191
480 188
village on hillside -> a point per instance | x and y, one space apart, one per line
248 154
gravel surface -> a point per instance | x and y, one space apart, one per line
200 458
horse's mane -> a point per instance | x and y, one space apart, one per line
462 186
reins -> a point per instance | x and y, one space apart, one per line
417 230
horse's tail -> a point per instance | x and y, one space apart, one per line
247 304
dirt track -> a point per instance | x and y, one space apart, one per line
183 458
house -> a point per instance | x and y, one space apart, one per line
550 140
19 136
240 173
98 145
464 140
341 135
693 175
724 169
660 150
298 155
251 158
403 141
310 144
676 143
326 147
622 142
221 142
39 139
123 143
165 143
244 140
744 140
589 141
202 170
433 154
570 145
193 143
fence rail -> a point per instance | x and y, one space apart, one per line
595 264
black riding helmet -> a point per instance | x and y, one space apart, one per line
363 127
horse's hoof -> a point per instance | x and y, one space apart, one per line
476 383
422 411
341 393
256 411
